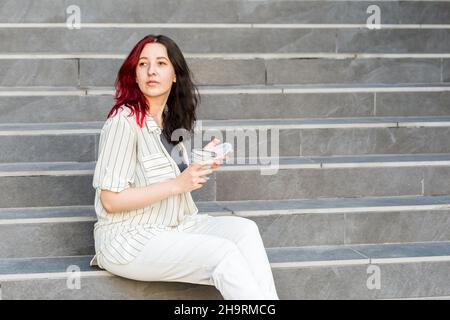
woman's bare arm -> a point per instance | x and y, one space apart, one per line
136 198
140 197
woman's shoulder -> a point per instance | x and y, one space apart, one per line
123 115
123 111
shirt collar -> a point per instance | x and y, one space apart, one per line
151 124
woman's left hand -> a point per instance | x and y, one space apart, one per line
210 146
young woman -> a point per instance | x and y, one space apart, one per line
148 226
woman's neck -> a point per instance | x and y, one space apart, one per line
156 112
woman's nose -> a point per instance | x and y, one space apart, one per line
151 69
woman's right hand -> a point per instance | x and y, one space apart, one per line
193 177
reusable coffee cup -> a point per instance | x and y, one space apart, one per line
199 155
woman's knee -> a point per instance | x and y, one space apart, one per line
247 226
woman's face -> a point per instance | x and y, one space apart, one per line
154 65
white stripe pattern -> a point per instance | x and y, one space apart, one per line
130 156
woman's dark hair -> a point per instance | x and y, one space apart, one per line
183 98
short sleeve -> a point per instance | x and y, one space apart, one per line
116 162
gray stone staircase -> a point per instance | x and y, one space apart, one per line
360 206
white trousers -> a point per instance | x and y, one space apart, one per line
225 251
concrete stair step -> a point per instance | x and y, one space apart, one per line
319 123
319 88
219 71
44 105
68 230
84 108
121 40
42 142
234 71
325 272
231 11
247 164
293 178
114 38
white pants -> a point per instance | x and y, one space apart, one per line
225 251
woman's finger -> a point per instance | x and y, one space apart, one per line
205 163
203 172
211 144
200 181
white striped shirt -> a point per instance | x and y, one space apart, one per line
130 156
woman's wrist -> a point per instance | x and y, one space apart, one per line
174 187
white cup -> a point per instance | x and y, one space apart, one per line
199 155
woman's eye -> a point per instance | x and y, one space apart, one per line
141 64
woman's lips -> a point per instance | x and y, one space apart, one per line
152 83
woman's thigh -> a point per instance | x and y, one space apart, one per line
233 228
176 256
